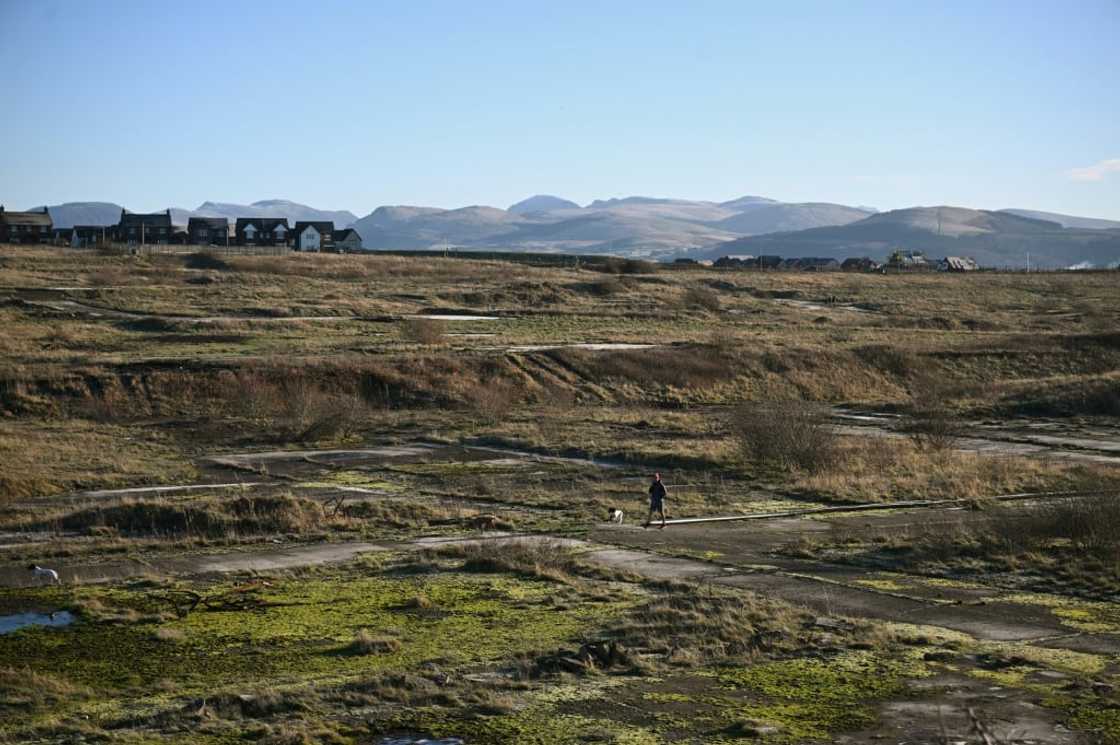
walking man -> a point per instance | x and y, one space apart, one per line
657 494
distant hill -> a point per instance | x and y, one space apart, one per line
541 203
774 217
635 226
1067 221
83 213
992 238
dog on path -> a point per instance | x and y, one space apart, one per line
615 515
50 575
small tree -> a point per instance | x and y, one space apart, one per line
790 434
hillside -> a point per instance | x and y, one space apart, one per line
774 217
541 203
632 226
1067 221
83 213
992 238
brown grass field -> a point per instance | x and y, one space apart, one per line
531 399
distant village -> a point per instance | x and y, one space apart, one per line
911 261
156 228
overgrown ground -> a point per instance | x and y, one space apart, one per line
120 372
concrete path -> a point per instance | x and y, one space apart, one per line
994 620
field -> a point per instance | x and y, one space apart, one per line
364 499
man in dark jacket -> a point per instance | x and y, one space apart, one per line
657 494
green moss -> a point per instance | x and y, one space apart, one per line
301 634
1082 615
810 698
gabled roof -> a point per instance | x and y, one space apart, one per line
345 233
267 224
962 263
150 219
325 227
26 218
218 223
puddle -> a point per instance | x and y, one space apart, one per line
412 740
453 317
592 346
18 621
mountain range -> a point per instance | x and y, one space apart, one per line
633 226
1002 238
659 228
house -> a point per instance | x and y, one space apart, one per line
143 229
860 264
346 240
911 261
313 236
958 264
816 264
25 227
81 236
736 261
208 231
262 231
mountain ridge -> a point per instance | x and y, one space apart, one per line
993 238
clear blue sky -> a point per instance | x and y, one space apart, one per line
349 105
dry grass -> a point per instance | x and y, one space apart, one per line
789 434
224 518
426 331
885 469
367 643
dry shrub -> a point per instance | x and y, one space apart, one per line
700 298
1089 524
790 434
930 423
366 643
897 362
427 331
295 408
208 518
616 265
206 260
546 559
108 405
933 428
493 400
24 690
688 627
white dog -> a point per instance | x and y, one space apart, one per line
615 515
49 574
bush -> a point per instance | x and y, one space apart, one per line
699 298
1090 524
616 265
423 330
366 643
493 400
790 434
933 428
206 260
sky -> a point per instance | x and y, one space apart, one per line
351 105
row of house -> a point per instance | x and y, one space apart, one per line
898 261
156 228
